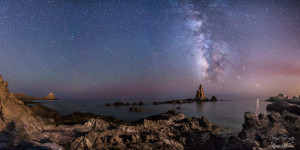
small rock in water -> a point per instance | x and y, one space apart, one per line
213 98
141 103
119 104
136 109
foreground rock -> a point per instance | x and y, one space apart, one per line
279 129
273 130
170 130
17 124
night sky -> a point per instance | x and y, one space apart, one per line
150 49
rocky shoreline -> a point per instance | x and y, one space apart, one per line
39 127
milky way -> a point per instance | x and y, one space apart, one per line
211 54
151 48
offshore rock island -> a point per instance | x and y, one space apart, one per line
199 97
200 94
39 127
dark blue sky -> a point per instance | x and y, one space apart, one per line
119 49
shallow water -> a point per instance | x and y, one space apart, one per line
224 113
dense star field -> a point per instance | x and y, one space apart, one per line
125 49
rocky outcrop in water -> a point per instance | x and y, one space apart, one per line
180 101
213 98
136 109
141 103
125 104
50 96
200 94
282 97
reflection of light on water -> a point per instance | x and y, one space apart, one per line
257 105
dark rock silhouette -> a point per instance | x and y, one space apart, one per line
119 104
156 103
141 103
213 98
136 109
282 97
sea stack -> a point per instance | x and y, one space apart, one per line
200 94
51 96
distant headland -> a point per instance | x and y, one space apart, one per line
23 96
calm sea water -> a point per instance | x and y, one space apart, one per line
224 113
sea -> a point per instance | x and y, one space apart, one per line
227 113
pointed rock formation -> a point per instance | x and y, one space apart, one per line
51 96
200 94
